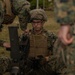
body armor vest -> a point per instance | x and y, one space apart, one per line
38 45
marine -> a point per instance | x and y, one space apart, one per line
41 45
37 46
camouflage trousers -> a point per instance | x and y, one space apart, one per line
4 64
33 67
65 62
65 11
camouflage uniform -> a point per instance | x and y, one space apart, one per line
39 48
65 11
4 60
18 7
21 8
65 14
4 63
41 45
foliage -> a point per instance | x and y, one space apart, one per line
42 3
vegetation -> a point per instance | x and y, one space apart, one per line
47 4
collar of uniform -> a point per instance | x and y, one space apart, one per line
33 32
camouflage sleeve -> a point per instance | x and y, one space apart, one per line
59 52
24 43
51 40
58 58
65 11
23 19
24 15
23 38
4 64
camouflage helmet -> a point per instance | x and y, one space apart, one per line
38 14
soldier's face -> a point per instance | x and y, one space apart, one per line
37 24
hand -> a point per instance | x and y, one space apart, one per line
65 35
26 31
47 58
6 45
